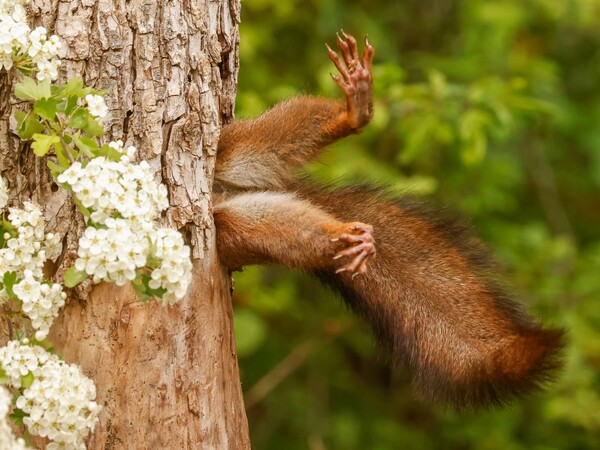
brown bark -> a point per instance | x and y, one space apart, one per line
167 378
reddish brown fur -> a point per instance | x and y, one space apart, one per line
271 227
264 152
437 307
430 295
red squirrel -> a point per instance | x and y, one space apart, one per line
426 285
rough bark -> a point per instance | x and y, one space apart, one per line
167 377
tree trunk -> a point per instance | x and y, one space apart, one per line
167 378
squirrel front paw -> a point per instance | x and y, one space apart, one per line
358 245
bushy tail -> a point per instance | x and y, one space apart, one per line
434 304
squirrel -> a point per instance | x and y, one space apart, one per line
426 285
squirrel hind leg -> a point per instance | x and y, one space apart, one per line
279 227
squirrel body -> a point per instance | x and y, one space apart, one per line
430 293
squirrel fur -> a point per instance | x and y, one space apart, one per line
426 285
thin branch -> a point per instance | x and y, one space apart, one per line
546 187
283 370
7 314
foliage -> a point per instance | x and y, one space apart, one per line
491 107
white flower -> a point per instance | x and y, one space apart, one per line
47 69
28 290
8 6
18 360
72 174
96 106
43 52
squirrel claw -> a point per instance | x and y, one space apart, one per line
360 247
356 80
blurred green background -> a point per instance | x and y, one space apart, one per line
490 107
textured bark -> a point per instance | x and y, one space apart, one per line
167 377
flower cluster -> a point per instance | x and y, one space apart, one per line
175 271
59 401
108 187
31 49
113 253
14 31
43 53
117 252
8 441
124 201
27 248
40 301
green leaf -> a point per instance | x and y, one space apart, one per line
73 277
93 128
472 123
420 130
156 293
140 291
109 152
42 143
4 379
82 209
17 416
474 150
140 288
55 169
79 118
29 89
20 116
143 290
27 380
68 138
70 105
46 108
88 146
63 159
9 280
28 125
74 88
8 227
